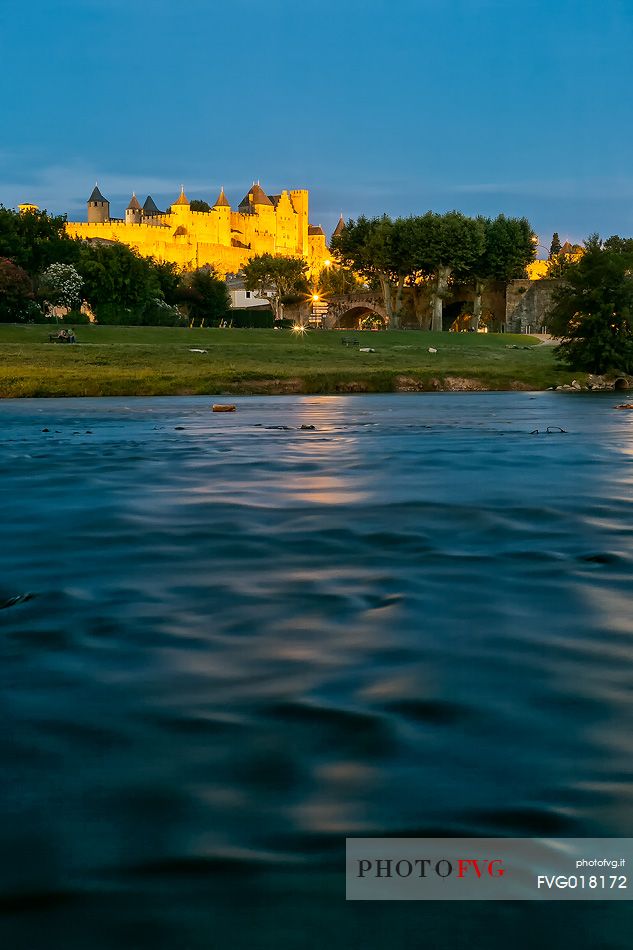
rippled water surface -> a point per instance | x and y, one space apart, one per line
228 642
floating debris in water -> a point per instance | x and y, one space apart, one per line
551 430
219 407
14 601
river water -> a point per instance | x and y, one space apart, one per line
228 642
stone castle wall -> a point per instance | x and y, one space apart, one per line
221 237
527 305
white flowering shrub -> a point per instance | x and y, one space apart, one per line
62 285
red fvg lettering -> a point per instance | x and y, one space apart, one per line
480 867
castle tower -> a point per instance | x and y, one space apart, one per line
149 208
223 210
339 227
256 198
300 204
133 211
259 214
98 207
180 208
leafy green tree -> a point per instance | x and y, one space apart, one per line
555 247
453 246
169 277
593 309
36 239
206 297
337 280
507 250
198 205
275 279
619 245
16 292
413 237
117 281
378 250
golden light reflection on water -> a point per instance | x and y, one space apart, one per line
325 490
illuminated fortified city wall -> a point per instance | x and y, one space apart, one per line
262 224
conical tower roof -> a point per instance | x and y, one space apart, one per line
149 206
222 200
339 227
182 200
96 195
134 204
259 197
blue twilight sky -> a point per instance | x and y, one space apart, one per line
520 106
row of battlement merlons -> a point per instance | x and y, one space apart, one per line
254 199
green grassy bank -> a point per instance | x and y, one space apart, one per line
143 361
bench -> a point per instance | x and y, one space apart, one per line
56 338
349 341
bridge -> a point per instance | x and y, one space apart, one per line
346 311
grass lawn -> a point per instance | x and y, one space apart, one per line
143 361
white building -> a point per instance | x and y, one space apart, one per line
242 299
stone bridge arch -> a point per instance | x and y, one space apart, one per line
346 311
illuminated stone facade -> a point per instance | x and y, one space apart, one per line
262 224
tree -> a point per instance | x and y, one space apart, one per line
593 309
276 278
35 239
337 280
378 250
60 284
454 244
198 205
555 247
118 282
618 244
507 250
205 296
169 277
16 293
413 238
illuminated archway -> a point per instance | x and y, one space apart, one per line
360 318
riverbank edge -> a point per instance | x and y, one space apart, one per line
382 383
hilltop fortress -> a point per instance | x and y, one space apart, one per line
262 224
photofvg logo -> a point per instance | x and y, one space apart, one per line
488 868
427 867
